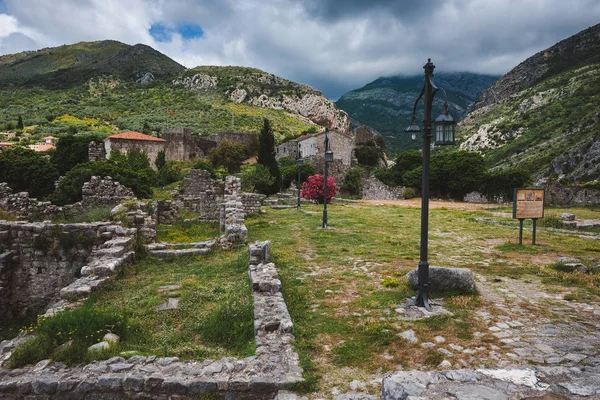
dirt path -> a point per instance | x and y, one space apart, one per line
416 202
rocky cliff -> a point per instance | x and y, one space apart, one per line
255 87
544 115
577 50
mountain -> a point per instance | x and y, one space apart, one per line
544 115
386 104
109 86
70 65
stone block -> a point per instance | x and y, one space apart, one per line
447 279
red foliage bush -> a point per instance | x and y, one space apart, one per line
312 189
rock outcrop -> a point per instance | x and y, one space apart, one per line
543 64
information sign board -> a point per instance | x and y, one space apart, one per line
528 204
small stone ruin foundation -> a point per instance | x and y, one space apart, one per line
274 367
39 262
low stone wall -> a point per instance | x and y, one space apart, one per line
24 207
39 259
252 202
104 192
165 212
274 367
560 195
203 194
96 192
374 189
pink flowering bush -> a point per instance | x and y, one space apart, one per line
312 189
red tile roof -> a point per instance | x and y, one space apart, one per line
136 136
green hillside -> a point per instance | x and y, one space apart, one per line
544 115
92 87
550 128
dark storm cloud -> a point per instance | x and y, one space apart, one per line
405 10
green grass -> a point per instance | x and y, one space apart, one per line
87 215
214 318
336 306
186 232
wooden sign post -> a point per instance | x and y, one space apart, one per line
528 203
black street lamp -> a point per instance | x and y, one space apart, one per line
328 159
444 136
299 163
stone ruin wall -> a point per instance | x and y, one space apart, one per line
232 214
558 194
96 192
374 189
555 194
104 192
38 260
274 367
96 151
205 195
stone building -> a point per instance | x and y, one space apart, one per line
312 150
183 145
127 141
249 140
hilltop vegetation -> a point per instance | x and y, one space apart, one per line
109 86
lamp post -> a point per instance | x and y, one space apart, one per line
328 159
444 136
299 168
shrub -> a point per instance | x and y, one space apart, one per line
200 163
500 185
353 180
454 174
228 155
289 171
72 150
69 190
25 170
256 177
409 193
367 155
313 188
171 171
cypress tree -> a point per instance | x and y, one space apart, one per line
20 123
266 154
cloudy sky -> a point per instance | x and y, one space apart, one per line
332 45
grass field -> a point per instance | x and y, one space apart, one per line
342 286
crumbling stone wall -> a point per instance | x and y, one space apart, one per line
96 151
165 212
558 194
24 207
96 192
252 202
104 192
374 189
202 194
39 259
205 195
232 214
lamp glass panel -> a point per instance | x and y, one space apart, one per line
439 133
